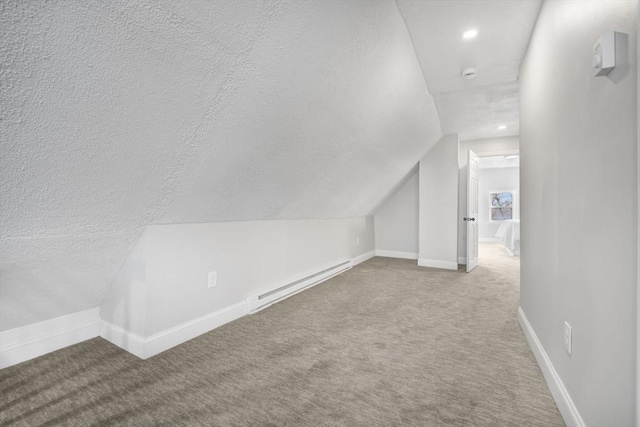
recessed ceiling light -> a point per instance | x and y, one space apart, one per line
470 34
469 73
502 127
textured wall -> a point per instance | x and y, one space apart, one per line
121 114
578 151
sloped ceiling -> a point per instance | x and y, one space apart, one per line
474 108
121 114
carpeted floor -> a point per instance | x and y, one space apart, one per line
385 344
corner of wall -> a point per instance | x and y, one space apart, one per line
161 297
396 221
125 303
438 201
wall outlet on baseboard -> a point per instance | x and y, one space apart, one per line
567 337
213 279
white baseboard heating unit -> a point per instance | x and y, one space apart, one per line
258 302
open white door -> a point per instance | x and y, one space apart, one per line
472 211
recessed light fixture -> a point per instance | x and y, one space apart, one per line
470 34
469 73
502 127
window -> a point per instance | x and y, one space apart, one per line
501 205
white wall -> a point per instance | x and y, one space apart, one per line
164 281
501 179
438 189
482 147
578 146
396 222
170 112
125 303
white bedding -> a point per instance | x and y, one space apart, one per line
509 235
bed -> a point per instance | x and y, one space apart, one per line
509 235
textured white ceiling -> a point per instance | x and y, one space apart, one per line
474 113
121 114
504 27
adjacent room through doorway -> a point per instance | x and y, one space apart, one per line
499 205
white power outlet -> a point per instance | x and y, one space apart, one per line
357 241
213 279
567 337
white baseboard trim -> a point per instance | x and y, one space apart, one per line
31 341
122 338
462 260
488 240
165 340
447 265
364 257
397 254
559 392
148 347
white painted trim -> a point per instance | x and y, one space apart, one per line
28 342
488 240
169 338
496 152
397 254
447 265
559 392
148 347
462 260
122 338
638 236
31 341
364 257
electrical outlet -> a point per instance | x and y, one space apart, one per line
213 279
567 337
357 241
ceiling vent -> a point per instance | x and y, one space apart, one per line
469 73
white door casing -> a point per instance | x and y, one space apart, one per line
472 210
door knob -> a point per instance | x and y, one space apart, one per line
466 218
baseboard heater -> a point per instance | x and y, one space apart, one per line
258 302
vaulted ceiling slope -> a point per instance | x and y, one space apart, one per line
474 108
120 114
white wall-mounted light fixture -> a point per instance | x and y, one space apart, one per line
470 34
502 127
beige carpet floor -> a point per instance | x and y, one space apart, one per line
385 344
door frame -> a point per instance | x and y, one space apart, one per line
506 152
472 214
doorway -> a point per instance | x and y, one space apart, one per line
499 202
498 211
